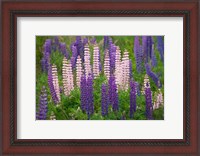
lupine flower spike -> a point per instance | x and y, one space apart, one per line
87 60
96 61
107 65
79 71
43 109
68 82
133 90
104 99
149 106
125 71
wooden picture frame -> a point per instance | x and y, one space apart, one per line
13 9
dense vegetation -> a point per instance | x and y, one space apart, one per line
69 106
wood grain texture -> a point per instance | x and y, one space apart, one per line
12 10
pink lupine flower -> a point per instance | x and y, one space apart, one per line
107 65
159 100
96 61
55 81
68 82
125 70
87 60
79 71
118 69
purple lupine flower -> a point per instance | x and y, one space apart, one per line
112 54
160 47
152 75
149 45
132 98
138 88
144 48
104 100
105 42
153 58
80 47
83 87
64 50
90 104
45 62
115 97
43 109
55 45
149 106
93 41
85 41
112 93
51 86
138 53
100 65
110 90
74 57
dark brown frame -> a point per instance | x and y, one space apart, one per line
187 10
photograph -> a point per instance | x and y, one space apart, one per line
99 77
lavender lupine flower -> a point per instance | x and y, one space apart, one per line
160 47
64 50
149 106
68 82
152 75
153 57
96 61
90 104
137 88
83 87
51 86
138 53
104 100
107 65
132 98
85 41
55 46
43 109
93 41
105 43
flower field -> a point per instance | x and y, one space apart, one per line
99 77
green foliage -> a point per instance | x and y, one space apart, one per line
69 108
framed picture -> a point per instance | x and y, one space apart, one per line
100 77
